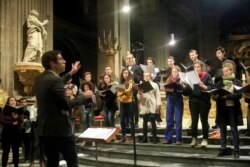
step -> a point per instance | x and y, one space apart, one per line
185 131
162 157
184 148
244 140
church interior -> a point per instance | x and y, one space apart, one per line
99 33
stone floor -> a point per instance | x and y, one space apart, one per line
186 124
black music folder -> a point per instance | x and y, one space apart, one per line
17 109
145 86
219 91
187 68
172 85
244 89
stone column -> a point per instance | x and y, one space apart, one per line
13 39
155 32
111 18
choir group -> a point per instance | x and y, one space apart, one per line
200 80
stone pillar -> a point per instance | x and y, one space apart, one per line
111 18
13 39
155 32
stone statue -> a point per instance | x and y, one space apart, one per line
36 35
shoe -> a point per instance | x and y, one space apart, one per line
236 154
42 163
123 139
204 143
167 142
223 152
178 143
215 126
83 143
31 164
194 142
131 141
144 140
154 140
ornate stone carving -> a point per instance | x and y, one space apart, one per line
3 95
36 36
27 72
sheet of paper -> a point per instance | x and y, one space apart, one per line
97 133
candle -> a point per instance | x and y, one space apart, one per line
104 34
243 77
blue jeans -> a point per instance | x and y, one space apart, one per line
127 109
109 117
174 113
88 118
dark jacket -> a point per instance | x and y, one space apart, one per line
222 114
54 106
109 100
198 95
178 90
137 73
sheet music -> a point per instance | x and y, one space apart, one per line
190 77
193 77
97 133
237 87
147 68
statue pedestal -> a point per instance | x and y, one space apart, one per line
27 72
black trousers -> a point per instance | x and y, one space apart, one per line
202 110
11 138
146 119
64 145
36 150
26 144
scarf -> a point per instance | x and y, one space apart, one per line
173 79
202 74
228 80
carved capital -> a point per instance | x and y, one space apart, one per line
27 73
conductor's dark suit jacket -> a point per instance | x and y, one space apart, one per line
54 106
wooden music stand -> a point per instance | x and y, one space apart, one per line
98 135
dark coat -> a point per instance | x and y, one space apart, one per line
222 116
137 73
198 95
53 106
109 100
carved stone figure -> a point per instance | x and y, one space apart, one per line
36 36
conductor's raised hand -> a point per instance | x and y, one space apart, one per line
75 68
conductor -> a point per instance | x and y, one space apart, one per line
54 124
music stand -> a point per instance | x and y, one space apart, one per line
99 134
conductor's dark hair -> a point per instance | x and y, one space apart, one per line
48 57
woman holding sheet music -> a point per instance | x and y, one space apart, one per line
125 97
228 108
11 134
174 90
109 100
199 103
